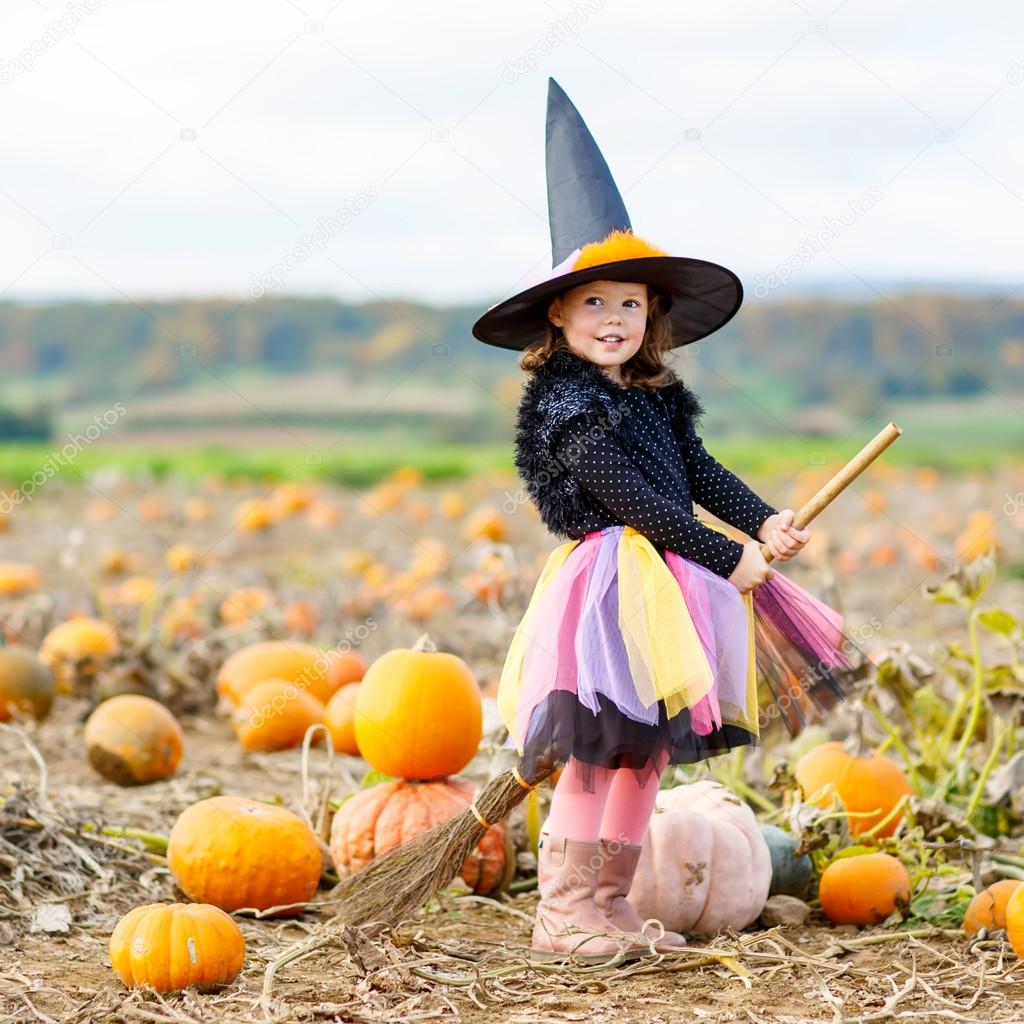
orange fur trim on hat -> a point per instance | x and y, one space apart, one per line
615 246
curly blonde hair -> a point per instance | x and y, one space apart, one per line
645 369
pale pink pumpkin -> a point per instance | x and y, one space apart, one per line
705 864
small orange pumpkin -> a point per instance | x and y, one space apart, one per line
345 667
254 514
872 783
418 713
340 719
234 852
132 739
19 578
298 662
377 820
485 521
170 947
26 683
77 649
988 908
274 715
244 604
864 889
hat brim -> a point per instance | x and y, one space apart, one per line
704 297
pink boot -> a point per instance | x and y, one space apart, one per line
618 866
568 920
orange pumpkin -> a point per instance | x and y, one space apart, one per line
274 715
418 713
197 509
136 590
293 660
377 820
452 505
170 947
988 908
1015 920
485 521
872 783
234 852
864 889
244 604
26 683
323 515
345 667
289 497
19 578
340 719
77 649
132 739
184 558
254 514
300 617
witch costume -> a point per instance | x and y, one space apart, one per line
634 642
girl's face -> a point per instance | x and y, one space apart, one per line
592 316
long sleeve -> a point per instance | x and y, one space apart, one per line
602 467
719 490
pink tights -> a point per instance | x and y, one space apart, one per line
616 808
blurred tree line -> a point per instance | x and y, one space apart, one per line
785 355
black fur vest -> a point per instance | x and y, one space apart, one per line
568 385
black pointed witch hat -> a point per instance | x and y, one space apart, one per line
592 240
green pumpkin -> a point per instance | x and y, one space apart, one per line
791 875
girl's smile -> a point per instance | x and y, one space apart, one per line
603 321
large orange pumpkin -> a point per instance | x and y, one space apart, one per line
988 908
863 889
133 739
234 852
274 715
377 820
872 783
26 683
300 663
172 946
418 713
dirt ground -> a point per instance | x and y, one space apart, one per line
465 958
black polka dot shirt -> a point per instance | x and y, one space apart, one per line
652 486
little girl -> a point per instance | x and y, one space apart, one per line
636 650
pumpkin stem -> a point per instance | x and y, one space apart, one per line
424 643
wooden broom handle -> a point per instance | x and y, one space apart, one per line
834 487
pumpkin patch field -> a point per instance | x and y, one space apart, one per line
221 696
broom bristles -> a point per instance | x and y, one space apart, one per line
393 887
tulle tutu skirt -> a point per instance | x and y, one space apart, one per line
625 652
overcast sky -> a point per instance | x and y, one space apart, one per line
364 149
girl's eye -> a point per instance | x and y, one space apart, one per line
595 298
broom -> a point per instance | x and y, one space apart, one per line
393 887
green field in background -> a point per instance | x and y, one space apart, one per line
364 462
